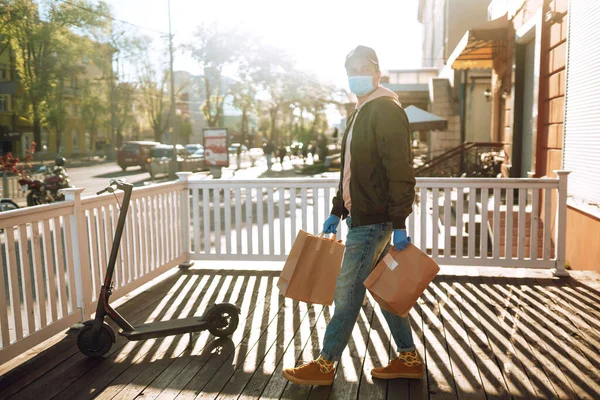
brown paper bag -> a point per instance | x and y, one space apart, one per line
400 278
311 269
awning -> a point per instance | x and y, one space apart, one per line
421 120
479 46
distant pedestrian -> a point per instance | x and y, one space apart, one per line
268 149
282 153
304 153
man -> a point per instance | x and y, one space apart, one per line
375 196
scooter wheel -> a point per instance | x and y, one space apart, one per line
95 346
227 315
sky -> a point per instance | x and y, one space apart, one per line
316 33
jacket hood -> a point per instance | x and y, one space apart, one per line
380 92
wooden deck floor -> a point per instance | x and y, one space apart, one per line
483 334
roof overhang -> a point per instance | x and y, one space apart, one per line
479 46
421 120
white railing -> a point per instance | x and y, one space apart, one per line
480 222
54 257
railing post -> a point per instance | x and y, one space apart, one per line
5 188
185 218
561 225
79 240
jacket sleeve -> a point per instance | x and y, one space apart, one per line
338 204
393 143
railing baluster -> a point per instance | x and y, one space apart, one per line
37 270
227 202
483 252
304 209
547 224
196 219
424 214
508 239
447 222
249 222
472 223
206 221
50 271
535 212
522 215
94 267
270 221
13 279
60 266
260 220
293 213
217 216
315 194
4 332
497 222
460 197
238 220
26 267
435 227
281 192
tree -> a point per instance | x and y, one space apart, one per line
94 108
37 42
125 99
215 48
154 97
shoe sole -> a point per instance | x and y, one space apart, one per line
395 376
300 382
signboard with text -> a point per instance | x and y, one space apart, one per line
215 147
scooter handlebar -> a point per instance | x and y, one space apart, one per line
118 183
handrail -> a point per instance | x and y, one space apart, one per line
454 152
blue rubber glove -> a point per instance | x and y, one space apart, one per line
330 224
400 240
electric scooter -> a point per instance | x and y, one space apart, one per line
96 337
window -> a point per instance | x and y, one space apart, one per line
4 75
4 102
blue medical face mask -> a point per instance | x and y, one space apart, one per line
361 85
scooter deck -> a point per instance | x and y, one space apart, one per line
167 328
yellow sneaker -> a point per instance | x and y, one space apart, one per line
319 372
406 365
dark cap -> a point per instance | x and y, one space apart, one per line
365 52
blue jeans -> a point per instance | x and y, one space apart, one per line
365 246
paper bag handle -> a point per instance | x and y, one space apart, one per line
322 234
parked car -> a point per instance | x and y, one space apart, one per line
161 156
134 154
192 148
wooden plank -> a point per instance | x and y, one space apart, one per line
206 221
546 378
417 388
534 224
349 370
50 274
260 220
500 336
439 373
485 219
249 222
281 193
447 223
522 216
460 197
26 268
379 352
196 220
463 361
82 374
270 221
238 220
435 233
227 201
60 267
